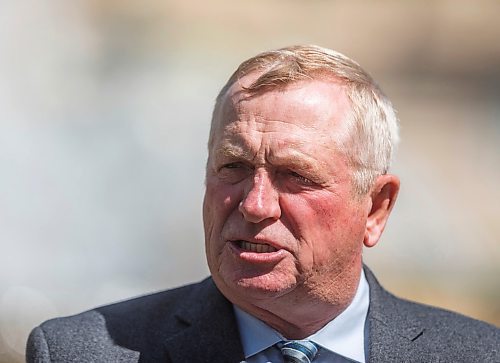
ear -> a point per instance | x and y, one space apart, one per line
383 196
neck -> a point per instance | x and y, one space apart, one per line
299 315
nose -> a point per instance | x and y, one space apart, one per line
262 200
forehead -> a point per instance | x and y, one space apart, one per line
313 105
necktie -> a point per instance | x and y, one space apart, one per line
298 351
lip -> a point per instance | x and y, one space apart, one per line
256 257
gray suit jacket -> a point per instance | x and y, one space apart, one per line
196 324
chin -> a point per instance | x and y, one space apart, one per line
260 287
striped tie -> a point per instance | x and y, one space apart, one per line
298 351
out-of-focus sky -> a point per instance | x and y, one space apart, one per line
104 114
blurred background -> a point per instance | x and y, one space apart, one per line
104 114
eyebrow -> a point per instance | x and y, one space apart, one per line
236 152
297 160
292 157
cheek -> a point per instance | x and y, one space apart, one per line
343 223
311 215
220 200
325 224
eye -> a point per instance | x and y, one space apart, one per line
233 172
300 179
232 166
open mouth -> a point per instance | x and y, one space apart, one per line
255 247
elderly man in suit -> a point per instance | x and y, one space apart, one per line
297 183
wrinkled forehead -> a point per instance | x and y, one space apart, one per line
316 104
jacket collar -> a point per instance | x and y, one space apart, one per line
211 333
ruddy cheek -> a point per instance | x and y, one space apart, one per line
227 195
220 202
228 201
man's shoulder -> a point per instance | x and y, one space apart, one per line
428 330
148 307
441 319
106 330
439 332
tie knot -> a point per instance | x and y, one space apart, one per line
298 351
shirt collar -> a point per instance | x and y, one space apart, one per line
343 335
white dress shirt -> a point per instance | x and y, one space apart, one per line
344 335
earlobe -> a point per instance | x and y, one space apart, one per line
383 197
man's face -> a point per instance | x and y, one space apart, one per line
280 214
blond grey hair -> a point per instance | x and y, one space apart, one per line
372 125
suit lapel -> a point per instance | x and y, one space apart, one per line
211 333
387 344
393 328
